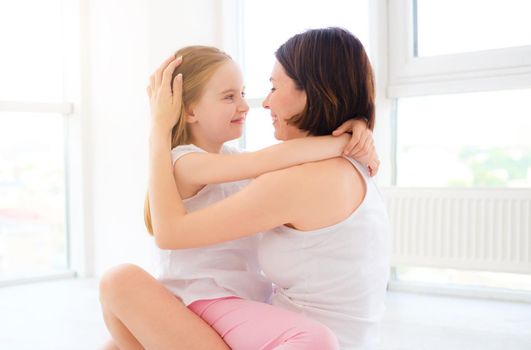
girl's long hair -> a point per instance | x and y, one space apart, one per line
198 65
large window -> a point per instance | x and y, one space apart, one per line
33 224
268 24
479 139
460 74
462 116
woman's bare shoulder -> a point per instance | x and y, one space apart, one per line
321 193
323 179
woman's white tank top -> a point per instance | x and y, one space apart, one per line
336 275
225 269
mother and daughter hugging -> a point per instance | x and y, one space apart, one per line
283 248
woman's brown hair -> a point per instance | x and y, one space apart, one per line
331 66
198 65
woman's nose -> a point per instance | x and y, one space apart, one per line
265 102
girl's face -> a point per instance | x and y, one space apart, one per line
284 100
220 113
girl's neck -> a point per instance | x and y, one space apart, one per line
211 147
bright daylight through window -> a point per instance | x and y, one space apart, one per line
33 238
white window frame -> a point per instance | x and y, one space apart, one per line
409 75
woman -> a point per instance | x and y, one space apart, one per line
327 246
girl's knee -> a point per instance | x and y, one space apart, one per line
116 281
110 345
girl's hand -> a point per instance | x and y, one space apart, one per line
361 145
165 98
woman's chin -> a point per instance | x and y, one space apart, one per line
278 136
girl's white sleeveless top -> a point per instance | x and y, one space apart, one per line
225 269
336 275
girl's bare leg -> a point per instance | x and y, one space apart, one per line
120 334
141 314
110 345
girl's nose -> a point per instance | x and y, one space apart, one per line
244 107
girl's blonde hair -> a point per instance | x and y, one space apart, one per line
198 65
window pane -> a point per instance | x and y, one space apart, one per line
268 24
455 26
32 195
30 33
259 130
474 139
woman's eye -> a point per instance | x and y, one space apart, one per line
229 97
243 94
273 89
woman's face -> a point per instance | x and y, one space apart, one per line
284 100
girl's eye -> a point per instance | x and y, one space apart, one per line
243 94
229 97
273 89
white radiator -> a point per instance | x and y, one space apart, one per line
474 229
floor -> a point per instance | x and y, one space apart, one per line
65 315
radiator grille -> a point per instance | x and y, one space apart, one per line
488 229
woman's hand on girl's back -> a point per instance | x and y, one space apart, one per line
361 145
165 96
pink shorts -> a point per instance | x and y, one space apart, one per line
251 325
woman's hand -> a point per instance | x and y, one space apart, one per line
165 98
361 145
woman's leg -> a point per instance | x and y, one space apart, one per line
246 324
140 313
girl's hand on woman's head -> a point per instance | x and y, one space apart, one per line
361 145
165 97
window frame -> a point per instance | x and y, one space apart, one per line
409 75
79 244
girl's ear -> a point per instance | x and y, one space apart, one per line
190 117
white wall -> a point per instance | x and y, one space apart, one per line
122 42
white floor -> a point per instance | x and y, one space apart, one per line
65 315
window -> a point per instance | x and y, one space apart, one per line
442 47
266 25
33 192
454 26
461 92
32 57
460 74
469 140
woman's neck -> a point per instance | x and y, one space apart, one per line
296 133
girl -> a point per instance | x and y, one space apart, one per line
212 112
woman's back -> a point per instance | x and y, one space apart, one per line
336 274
